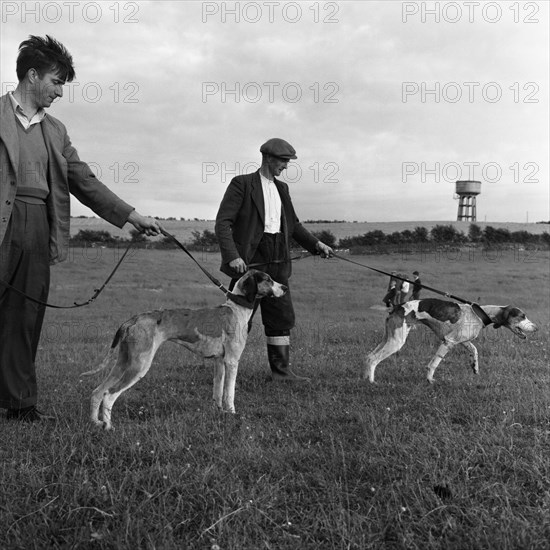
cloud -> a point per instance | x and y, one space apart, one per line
363 90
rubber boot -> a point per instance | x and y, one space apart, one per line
278 355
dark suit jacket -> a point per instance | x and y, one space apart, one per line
241 220
66 174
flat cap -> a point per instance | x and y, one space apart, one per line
277 147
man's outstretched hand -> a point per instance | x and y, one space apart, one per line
324 250
149 226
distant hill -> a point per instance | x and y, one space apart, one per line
183 230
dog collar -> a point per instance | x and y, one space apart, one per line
240 300
485 319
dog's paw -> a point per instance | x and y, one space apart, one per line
367 376
217 410
103 426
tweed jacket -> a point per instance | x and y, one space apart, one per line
66 174
240 220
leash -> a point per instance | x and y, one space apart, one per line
258 264
478 310
476 307
207 273
97 291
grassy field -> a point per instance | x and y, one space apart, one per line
333 464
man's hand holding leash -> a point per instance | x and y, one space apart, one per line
238 265
324 250
149 226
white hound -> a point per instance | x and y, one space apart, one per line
453 324
219 333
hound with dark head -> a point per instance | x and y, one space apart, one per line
453 323
219 333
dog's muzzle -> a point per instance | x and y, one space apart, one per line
524 328
278 290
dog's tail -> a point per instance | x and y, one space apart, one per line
110 355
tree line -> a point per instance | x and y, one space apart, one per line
446 234
438 235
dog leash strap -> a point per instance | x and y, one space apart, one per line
402 279
30 298
475 307
97 291
207 273
296 258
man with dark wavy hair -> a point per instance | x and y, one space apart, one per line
39 168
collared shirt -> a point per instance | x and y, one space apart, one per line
272 206
36 119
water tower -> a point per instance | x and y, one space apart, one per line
466 192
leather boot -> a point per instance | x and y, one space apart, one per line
278 355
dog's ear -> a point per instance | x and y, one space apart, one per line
502 317
250 287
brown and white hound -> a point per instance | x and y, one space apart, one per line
219 333
453 324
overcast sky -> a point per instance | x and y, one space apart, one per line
387 103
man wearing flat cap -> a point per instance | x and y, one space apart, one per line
255 224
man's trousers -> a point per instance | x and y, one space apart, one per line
272 257
24 264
